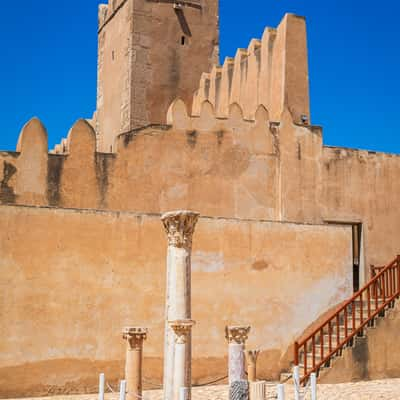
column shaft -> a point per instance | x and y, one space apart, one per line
133 372
237 370
180 372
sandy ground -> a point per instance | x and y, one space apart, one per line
388 389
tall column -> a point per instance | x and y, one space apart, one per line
179 226
236 336
134 337
181 377
251 358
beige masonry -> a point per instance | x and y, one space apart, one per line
284 217
105 269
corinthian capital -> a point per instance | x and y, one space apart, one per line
182 329
179 226
135 335
237 334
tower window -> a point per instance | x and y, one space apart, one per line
113 55
183 40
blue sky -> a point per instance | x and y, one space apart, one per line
49 50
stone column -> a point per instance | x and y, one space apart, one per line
134 337
236 336
251 358
179 226
182 366
257 390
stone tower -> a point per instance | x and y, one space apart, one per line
149 53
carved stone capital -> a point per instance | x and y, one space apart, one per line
179 226
251 356
135 335
237 334
182 329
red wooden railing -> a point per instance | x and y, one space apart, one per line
349 320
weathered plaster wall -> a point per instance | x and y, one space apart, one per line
362 186
374 356
70 280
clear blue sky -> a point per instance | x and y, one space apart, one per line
49 50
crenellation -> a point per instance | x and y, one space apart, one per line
215 85
265 78
239 76
226 87
272 71
102 14
250 98
32 163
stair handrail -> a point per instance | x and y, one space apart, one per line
388 283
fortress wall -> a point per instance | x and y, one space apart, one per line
300 171
8 176
230 167
362 186
71 279
221 167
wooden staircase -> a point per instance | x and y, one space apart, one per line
338 331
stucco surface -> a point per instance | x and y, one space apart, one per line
70 280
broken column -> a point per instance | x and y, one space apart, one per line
236 336
182 365
179 226
134 337
251 358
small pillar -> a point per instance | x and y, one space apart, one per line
251 358
257 390
236 336
179 226
134 337
181 386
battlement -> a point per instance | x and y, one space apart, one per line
272 71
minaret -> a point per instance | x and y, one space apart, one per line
149 53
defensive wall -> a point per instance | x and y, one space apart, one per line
72 279
223 167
